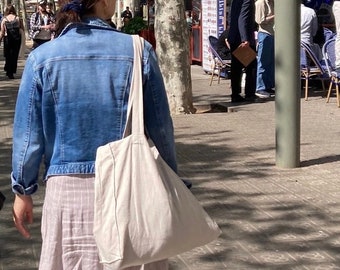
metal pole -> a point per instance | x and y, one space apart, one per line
287 83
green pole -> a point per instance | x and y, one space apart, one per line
287 83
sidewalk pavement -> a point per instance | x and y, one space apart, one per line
271 218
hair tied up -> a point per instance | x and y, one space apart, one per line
74 5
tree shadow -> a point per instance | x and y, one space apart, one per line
263 228
16 253
266 223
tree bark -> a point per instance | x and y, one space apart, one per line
172 48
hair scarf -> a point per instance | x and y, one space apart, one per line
74 5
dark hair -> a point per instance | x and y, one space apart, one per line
72 12
10 9
111 23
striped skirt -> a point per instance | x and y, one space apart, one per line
67 224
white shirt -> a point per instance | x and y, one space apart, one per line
309 24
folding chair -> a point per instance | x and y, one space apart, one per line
218 64
328 51
311 67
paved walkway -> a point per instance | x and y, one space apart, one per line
271 218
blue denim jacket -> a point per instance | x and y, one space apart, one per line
73 98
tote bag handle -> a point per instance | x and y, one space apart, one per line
135 113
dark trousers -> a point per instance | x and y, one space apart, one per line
236 73
11 53
2 200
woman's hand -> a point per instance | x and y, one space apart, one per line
23 213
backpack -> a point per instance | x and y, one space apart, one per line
13 29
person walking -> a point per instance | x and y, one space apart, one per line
241 33
265 79
72 99
336 12
42 25
10 33
127 16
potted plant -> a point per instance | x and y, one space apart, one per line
135 26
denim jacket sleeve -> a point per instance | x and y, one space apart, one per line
157 116
28 143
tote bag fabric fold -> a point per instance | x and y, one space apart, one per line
143 211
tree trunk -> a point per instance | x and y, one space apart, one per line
172 48
23 16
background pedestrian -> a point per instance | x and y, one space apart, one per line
10 33
241 33
42 25
265 79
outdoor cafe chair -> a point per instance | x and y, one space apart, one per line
311 68
218 64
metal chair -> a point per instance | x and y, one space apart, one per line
218 64
311 67
328 51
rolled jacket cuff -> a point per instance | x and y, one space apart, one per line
19 189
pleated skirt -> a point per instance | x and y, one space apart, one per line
67 227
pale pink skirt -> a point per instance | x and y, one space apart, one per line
67 224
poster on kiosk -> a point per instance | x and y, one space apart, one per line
213 24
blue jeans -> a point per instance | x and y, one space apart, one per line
265 78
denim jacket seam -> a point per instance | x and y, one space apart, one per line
158 119
26 136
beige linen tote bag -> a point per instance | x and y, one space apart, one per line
143 211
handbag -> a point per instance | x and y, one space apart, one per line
143 210
44 34
245 55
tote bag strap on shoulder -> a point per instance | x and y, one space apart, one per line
134 119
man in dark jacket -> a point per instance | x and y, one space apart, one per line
241 33
127 16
